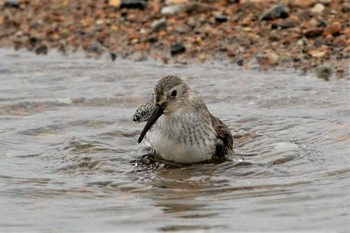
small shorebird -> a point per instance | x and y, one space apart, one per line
179 126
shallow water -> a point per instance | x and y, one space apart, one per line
67 139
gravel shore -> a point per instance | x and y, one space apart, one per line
301 34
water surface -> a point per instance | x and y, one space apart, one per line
67 139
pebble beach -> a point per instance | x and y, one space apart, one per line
305 35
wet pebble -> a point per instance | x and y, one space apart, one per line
133 4
240 62
113 56
324 72
42 49
276 12
177 48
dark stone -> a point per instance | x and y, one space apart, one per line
177 48
255 18
33 41
113 56
240 62
287 24
322 24
220 18
313 32
346 8
276 12
11 3
133 4
42 49
324 72
152 39
318 42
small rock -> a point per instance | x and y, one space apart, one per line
305 15
318 42
318 53
340 42
152 39
177 48
324 72
284 25
198 7
219 18
276 12
325 2
11 3
133 4
274 37
114 3
346 32
288 24
175 2
346 8
304 3
302 42
42 49
273 58
158 25
113 56
333 29
173 9
313 32
202 57
318 8
240 62
95 48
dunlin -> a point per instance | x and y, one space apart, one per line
179 126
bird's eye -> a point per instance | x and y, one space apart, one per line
174 93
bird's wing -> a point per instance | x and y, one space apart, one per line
224 134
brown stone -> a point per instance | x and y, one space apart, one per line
333 29
319 52
340 42
313 32
304 3
114 3
346 32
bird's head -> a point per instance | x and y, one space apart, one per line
170 94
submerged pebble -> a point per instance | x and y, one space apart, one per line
324 72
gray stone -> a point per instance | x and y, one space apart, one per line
172 10
158 25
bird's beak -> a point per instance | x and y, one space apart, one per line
158 111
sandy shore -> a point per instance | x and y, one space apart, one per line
306 35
